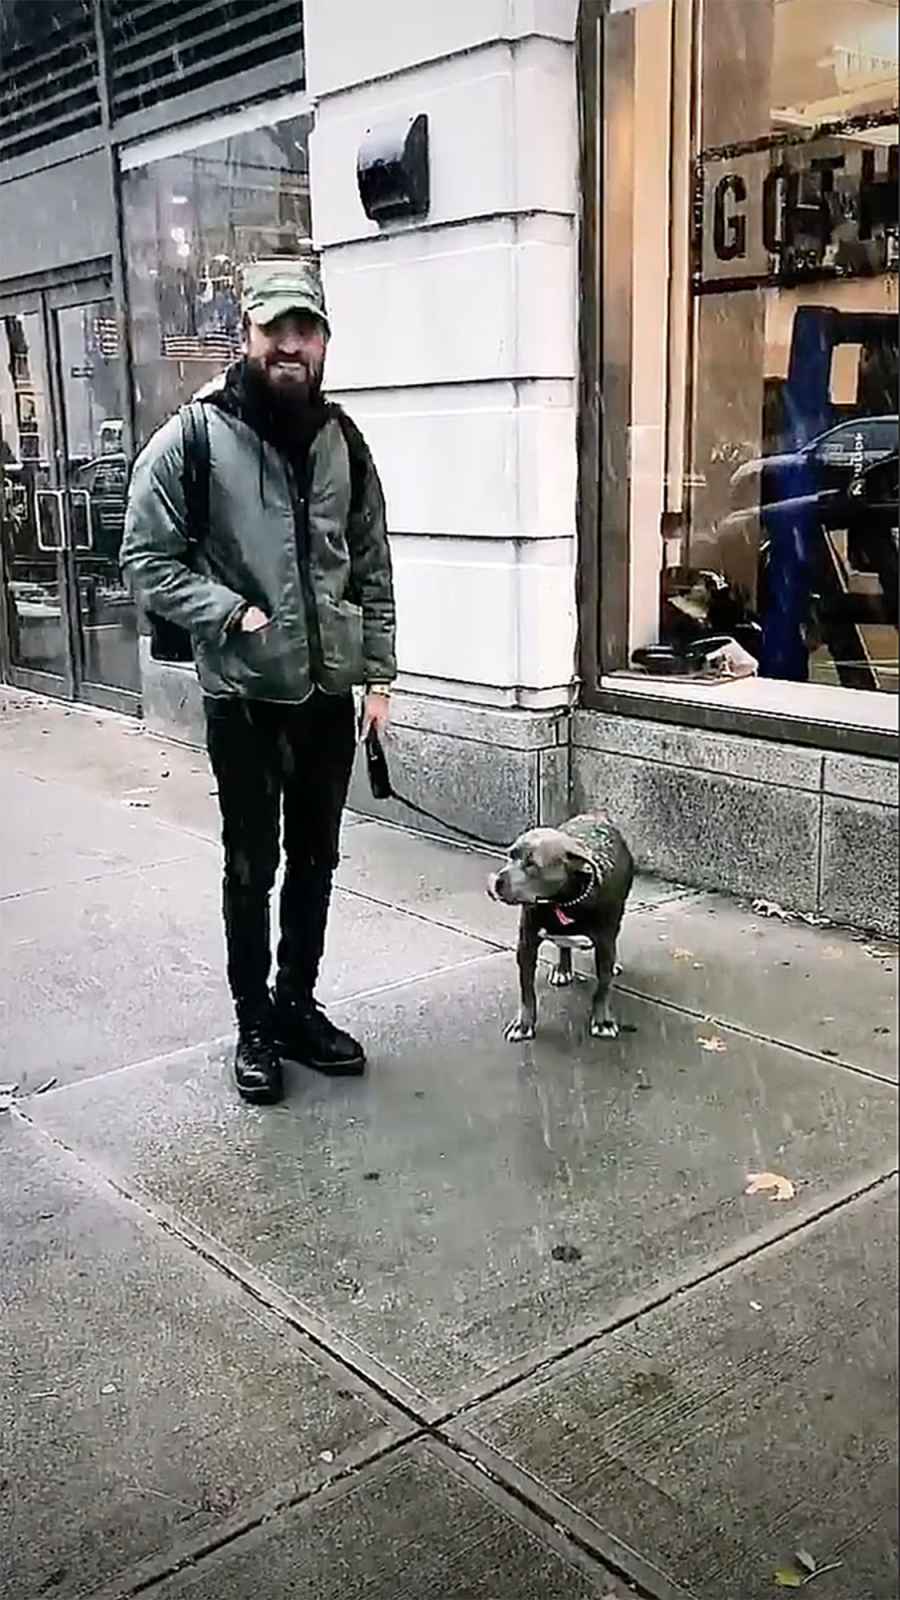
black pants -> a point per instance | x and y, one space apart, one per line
270 760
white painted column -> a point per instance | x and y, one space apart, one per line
454 337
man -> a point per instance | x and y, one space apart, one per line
289 603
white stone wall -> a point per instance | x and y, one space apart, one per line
454 340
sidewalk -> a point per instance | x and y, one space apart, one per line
495 1322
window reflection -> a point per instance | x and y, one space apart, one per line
29 509
192 223
789 537
97 467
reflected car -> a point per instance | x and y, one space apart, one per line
827 465
106 481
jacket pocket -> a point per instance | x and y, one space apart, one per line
268 663
341 640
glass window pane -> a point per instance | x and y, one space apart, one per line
97 468
789 535
192 222
30 524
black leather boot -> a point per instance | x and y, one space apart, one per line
257 1065
304 1034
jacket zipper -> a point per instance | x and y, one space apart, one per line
302 541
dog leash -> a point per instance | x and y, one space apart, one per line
383 789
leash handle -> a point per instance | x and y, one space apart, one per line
382 789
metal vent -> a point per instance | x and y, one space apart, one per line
48 73
164 48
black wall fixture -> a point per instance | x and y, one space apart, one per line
392 169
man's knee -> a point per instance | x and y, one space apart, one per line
318 861
250 872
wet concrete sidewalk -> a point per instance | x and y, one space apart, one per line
496 1321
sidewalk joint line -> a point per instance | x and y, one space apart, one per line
223 1041
94 877
745 1032
250 1524
727 1261
421 916
290 1311
285 1307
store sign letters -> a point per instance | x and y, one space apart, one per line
766 213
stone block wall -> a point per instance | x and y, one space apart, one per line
814 832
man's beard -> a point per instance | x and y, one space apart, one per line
287 399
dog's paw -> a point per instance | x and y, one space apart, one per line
560 979
605 1028
517 1032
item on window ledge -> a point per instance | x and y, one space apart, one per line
716 658
731 660
699 604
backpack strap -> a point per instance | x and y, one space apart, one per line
358 454
195 469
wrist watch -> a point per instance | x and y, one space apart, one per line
379 688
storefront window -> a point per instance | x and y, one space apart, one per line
192 222
747 355
785 536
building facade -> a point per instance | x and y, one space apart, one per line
629 373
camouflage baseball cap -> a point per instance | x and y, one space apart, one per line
274 287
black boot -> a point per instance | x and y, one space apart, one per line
304 1034
257 1065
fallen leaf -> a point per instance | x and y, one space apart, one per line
806 1561
789 1578
326 1455
772 1183
713 1044
755 1305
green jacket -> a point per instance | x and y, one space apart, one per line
333 621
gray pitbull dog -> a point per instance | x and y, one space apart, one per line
571 884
